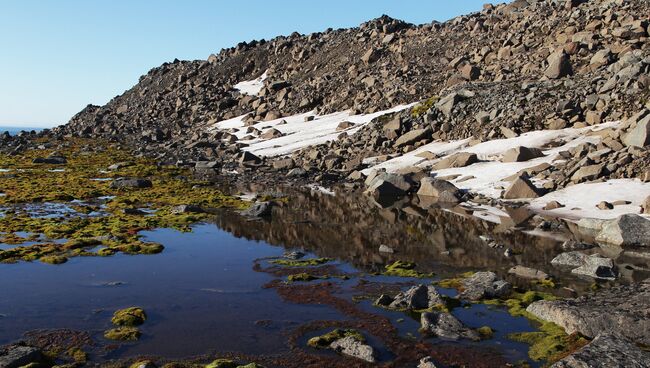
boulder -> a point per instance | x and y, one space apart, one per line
427 362
443 190
386 249
344 126
446 326
484 285
131 183
460 159
271 133
621 309
417 297
388 185
412 137
626 230
588 173
607 350
639 136
249 159
371 56
559 66
521 154
354 348
521 188
569 259
597 267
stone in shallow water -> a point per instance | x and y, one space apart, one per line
352 347
447 326
484 285
15 356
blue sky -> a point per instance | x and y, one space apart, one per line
56 56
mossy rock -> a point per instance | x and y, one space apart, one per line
123 334
54 260
486 332
222 363
133 316
77 355
324 341
405 269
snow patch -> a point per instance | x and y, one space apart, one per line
298 133
252 87
580 200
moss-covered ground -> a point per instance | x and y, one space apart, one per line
100 223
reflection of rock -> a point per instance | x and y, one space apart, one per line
622 310
447 326
259 209
607 350
352 347
484 285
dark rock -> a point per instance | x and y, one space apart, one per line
131 183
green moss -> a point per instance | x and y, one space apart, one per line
301 262
486 332
55 260
32 183
123 334
304 277
324 341
77 355
454 283
550 344
424 106
405 269
133 316
222 363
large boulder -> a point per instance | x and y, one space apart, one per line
587 265
521 154
626 230
559 66
443 190
484 285
389 185
521 188
621 309
639 136
446 326
607 350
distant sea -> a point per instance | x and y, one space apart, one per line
15 130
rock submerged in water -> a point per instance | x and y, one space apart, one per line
354 348
484 285
417 297
16 356
446 326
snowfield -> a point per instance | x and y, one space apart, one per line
252 87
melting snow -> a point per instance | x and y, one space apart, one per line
297 132
252 87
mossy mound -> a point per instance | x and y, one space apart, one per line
486 332
324 341
123 334
133 316
405 269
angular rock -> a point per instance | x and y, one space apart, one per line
521 188
446 326
559 66
412 137
426 362
417 297
460 159
386 249
639 136
626 230
521 154
588 173
386 184
597 267
569 259
352 347
344 126
443 190
248 159
271 133
484 285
